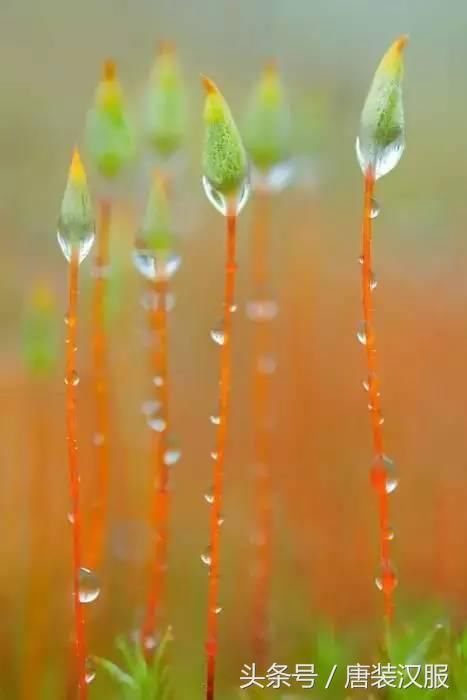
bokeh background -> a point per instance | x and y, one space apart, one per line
325 552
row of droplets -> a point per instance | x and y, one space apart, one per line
152 268
88 582
383 471
261 310
150 409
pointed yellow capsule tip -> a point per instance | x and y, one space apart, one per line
271 68
401 42
77 173
392 59
210 86
166 48
109 70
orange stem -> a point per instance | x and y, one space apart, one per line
160 506
221 442
261 439
378 472
100 370
74 477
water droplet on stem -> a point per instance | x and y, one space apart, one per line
224 205
89 588
206 557
375 209
72 378
218 335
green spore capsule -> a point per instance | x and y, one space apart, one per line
110 139
225 164
153 255
381 140
165 104
267 127
75 229
39 336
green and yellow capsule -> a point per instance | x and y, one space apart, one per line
381 140
110 139
267 129
75 229
153 256
165 104
40 335
225 163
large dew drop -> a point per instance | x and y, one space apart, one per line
90 672
89 588
154 267
379 159
218 335
206 557
375 209
273 180
72 378
69 244
172 455
157 423
222 203
386 581
383 474
209 497
361 333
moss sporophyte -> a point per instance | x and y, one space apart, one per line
110 139
379 147
75 228
75 236
156 228
225 179
157 263
224 161
40 332
153 255
381 138
165 103
267 130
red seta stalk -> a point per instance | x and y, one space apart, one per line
378 471
74 476
221 443
160 506
261 438
100 371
